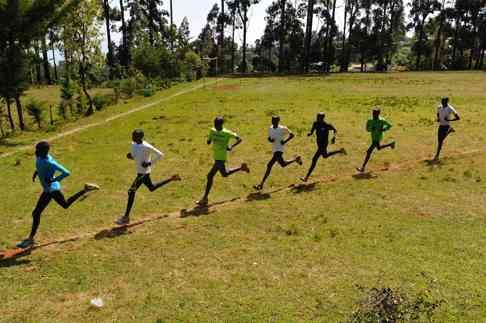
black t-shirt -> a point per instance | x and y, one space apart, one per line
322 132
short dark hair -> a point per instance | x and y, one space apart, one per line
376 110
445 99
42 149
219 120
276 117
138 133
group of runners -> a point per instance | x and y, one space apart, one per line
51 173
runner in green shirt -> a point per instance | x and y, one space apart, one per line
376 126
220 138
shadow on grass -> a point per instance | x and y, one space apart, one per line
112 233
364 176
196 211
432 162
258 196
13 262
303 188
5 143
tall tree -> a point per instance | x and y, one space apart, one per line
125 51
222 23
242 7
308 34
82 40
281 35
52 43
419 12
110 56
45 61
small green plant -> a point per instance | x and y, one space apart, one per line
36 110
102 101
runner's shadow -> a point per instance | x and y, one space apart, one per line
196 211
111 233
258 196
303 188
13 262
365 176
433 162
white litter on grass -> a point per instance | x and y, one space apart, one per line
97 302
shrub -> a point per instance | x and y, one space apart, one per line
102 101
128 86
36 110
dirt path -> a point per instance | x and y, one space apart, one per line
107 120
182 214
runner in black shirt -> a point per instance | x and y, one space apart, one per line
322 129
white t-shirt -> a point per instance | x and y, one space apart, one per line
278 134
143 153
444 114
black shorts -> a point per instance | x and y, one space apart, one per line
443 132
374 145
322 148
139 180
277 158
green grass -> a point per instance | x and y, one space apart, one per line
298 255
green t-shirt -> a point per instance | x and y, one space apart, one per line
220 140
377 128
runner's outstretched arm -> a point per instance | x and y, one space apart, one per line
456 117
158 155
333 140
311 132
64 172
290 137
238 141
129 156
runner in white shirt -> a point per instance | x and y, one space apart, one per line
278 135
444 111
145 156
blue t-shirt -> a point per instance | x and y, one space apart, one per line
46 170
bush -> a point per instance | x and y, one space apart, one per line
128 86
36 110
102 101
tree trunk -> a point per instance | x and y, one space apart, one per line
281 36
110 56
419 47
438 39
45 61
308 34
9 114
20 113
221 40
67 64
330 38
2 132
481 59
243 67
456 34
125 58
344 67
172 14
37 65
56 78
233 45
381 44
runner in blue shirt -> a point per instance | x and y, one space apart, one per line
46 169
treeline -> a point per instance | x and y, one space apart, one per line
430 35
151 54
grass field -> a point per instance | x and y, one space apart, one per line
304 254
